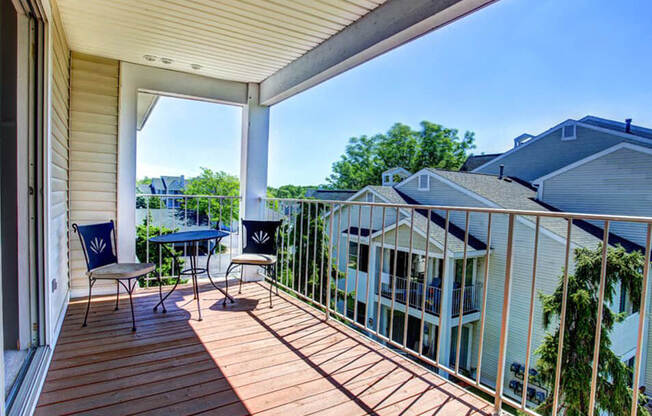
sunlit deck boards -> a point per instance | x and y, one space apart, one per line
244 359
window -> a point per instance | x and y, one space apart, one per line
568 132
424 182
370 197
459 264
362 261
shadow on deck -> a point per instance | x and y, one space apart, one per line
242 359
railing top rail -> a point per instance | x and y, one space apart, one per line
526 213
191 196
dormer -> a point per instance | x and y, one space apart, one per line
394 176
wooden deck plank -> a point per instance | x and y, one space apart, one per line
242 359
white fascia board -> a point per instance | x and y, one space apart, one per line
609 150
386 27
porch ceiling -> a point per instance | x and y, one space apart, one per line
287 46
240 40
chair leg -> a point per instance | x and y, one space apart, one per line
91 282
270 286
226 279
131 303
241 272
275 279
117 295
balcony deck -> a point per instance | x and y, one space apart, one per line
242 359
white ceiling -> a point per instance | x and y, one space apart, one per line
240 40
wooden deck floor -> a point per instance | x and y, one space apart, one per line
242 359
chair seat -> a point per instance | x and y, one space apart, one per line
122 270
250 258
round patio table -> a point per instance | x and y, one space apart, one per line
193 238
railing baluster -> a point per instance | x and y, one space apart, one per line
330 265
393 277
528 344
443 286
562 320
642 316
147 239
598 322
231 203
505 317
380 270
345 309
314 250
301 208
339 254
408 285
357 267
462 293
366 303
321 268
305 275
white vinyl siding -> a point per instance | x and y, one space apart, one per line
526 162
59 203
549 267
616 183
93 153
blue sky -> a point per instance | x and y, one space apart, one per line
517 66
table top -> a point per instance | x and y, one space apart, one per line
188 236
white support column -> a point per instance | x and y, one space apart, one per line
446 315
253 162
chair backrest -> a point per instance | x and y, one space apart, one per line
97 244
259 236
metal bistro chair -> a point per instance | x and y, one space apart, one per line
258 249
102 263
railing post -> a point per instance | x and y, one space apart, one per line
505 317
330 264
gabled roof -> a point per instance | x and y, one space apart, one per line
173 183
157 184
437 226
508 193
330 194
475 161
616 126
638 134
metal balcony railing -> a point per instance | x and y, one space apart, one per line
313 254
433 296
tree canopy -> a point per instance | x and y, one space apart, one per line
216 183
432 146
613 395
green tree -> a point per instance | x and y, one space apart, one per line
216 183
289 191
613 395
164 262
365 158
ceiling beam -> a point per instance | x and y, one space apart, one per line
384 28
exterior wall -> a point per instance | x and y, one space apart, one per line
528 164
549 267
59 203
601 186
93 154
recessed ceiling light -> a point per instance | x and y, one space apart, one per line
166 60
149 58
196 67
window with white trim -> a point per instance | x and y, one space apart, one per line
370 197
568 132
424 182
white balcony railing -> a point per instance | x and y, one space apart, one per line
433 296
314 252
